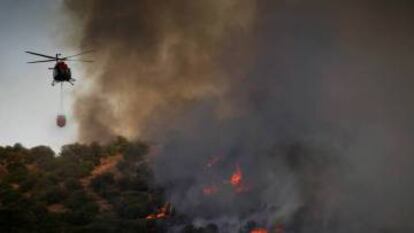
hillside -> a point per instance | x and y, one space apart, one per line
86 188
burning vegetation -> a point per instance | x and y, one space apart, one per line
162 213
87 188
236 177
237 180
264 112
259 230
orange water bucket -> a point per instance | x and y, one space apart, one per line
61 120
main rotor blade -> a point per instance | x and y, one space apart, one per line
81 53
41 61
81 60
42 55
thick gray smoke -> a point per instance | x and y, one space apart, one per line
311 101
154 58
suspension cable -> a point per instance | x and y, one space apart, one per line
61 110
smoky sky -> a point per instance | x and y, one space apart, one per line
28 104
311 99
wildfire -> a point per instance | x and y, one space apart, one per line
259 230
236 177
163 212
236 180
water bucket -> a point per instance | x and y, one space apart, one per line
61 121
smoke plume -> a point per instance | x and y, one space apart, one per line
155 58
309 100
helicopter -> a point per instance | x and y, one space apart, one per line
61 71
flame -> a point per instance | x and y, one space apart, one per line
236 177
236 180
259 230
162 212
210 190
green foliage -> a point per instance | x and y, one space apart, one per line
135 151
42 156
9 196
15 154
72 184
77 199
132 204
105 186
28 184
41 192
84 156
17 172
117 146
83 214
132 183
103 183
53 195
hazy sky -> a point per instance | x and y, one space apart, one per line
28 103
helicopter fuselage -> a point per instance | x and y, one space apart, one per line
62 73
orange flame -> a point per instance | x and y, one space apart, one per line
236 177
162 213
236 180
258 230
